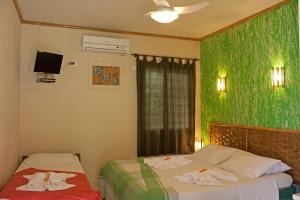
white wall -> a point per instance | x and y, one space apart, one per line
10 29
69 116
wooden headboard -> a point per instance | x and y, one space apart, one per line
282 144
76 154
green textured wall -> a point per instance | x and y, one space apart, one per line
246 55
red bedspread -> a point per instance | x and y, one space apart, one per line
82 190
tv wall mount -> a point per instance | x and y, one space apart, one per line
42 77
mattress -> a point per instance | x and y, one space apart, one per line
190 191
265 187
59 165
283 181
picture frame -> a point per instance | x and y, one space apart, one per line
106 75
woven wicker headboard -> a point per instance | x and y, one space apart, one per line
280 144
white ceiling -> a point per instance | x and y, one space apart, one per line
128 15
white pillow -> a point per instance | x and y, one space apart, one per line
213 154
248 165
51 158
279 167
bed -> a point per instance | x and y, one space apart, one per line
133 180
59 163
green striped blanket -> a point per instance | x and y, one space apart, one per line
133 180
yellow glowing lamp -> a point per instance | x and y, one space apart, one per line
278 77
198 144
221 84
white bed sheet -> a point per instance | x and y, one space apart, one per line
228 191
265 187
261 188
232 190
57 166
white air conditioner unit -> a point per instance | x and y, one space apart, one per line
104 44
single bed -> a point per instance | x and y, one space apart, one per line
60 163
133 180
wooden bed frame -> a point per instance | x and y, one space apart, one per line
282 144
76 154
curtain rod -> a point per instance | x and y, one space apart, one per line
136 55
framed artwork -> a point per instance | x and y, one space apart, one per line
105 75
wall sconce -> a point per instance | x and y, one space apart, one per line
278 77
221 85
198 144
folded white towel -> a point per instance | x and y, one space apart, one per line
50 181
198 179
37 182
221 174
167 162
207 177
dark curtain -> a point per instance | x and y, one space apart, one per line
166 106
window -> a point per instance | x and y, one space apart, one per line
166 99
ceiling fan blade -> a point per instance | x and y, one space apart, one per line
149 13
161 3
191 9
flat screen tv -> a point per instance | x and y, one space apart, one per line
48 62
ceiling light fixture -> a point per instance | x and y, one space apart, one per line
167 14
164 16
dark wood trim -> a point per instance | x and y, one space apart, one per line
108 30
280 130
245 19
76 154
23 21
23 158
18 9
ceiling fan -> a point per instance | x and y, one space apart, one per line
166 14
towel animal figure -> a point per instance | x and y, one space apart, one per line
207 177
50 181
